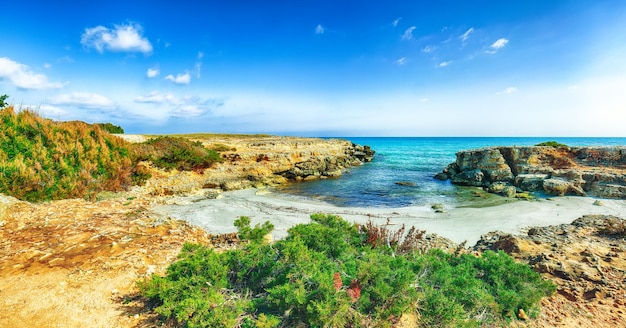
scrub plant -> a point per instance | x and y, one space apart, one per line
175 153
328 274
41 159
554 144
110 128
3 101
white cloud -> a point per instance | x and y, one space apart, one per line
180 78
428 49
51 111
423 100
121 38
188 111
319 29
507 91
82 99
197 69
401 61
466 35
22 77
444 63
408 33
497 45
198 66
47 65
152 72
500 43
396 21
179 106
156 97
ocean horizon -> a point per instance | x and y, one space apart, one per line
403 168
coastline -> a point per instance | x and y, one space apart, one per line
457 224
61 251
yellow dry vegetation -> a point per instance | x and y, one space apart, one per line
41 159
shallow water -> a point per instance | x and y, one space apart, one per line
415 161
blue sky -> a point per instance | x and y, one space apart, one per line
322 68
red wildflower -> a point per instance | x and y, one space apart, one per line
354 291
337 283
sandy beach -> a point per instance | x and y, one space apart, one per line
458 224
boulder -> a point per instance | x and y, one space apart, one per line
561 187
488 160
474 177
502 188
607 190
530 182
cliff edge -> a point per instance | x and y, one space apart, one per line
257 161
558 171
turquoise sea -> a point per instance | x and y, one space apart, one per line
416 161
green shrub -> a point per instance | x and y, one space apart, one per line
474 289
554 144
3 101
255 234
329 274
110 128
176 153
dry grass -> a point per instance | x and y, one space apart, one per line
41 159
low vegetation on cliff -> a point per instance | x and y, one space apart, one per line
176 153
331 273
110 128
41 159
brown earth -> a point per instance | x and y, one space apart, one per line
74 263
587 261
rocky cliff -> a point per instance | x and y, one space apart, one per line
256 161
584 171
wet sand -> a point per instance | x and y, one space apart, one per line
458 224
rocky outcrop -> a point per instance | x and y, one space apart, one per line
257 161
593 171
586 259
329 166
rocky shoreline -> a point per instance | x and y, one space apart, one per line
557 171
261 161
75 262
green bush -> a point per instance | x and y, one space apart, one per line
110 128
554 144
176 153
255 234
3 101
329 274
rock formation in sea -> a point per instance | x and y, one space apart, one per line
558 171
